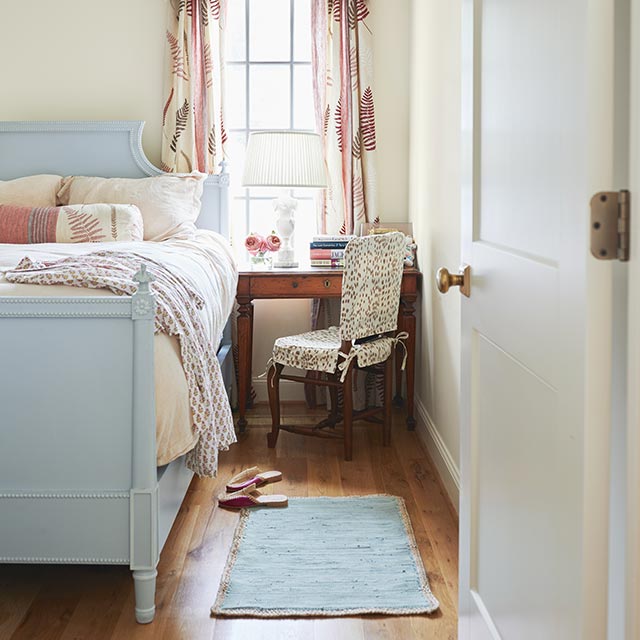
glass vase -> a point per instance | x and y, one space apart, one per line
261 261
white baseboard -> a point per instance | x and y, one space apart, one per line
289 391
441 456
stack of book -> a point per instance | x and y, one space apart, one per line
328 251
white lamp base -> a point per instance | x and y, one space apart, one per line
285 208
285 265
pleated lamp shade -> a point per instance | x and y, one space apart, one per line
284 159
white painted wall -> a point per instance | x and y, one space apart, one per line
390 23
434 209
83 60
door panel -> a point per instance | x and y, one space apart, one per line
523 523
530 105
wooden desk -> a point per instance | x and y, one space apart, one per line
307 282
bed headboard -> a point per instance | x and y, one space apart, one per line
110 149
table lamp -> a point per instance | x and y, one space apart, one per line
284 159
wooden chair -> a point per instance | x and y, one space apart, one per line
371 284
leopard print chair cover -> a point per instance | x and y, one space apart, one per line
371 285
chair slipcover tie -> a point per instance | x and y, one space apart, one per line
270 363
348 357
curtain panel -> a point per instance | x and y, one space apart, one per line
342 61
342 64
193 133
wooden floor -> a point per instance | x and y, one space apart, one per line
81 602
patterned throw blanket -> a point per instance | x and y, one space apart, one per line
176 314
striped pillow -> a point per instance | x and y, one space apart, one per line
71 223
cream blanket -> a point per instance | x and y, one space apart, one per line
207 267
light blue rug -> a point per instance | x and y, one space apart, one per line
325 557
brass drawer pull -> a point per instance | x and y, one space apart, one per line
327 284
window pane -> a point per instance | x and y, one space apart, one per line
236 100
305 228
236 143
302 31
303 111
262 218
238 224
265 192
269 90
236 42
269 30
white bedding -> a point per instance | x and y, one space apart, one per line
206 261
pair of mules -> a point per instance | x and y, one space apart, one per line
242 490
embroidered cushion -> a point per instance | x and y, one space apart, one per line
34 191
170 204
72 223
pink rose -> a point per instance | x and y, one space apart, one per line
253 243
273 242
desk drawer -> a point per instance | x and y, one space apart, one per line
297 286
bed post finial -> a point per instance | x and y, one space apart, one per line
223 166
143 300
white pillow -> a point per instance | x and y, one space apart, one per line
169 204
31 191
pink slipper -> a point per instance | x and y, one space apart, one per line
250 497
252 476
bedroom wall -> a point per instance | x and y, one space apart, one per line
85 61
434 209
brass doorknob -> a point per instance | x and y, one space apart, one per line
445 280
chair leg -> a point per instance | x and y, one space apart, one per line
388 392
273 388
347 401
333 397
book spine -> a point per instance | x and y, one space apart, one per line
327 245
332 238
327 263
326 254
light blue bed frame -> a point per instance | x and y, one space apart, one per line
78 476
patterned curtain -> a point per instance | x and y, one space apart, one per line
345 113
193 134
342 62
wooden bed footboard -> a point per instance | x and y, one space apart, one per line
78 476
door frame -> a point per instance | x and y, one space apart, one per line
632 611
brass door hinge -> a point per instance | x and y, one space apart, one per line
610 211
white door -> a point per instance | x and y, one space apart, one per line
536 330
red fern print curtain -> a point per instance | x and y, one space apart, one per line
193 132
345 113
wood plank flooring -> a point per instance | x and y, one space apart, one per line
78 602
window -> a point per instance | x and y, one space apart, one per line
268 86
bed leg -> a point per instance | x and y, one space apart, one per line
145 591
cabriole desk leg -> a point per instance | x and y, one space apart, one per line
409 322
245 343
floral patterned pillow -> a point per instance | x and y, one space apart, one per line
71 223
